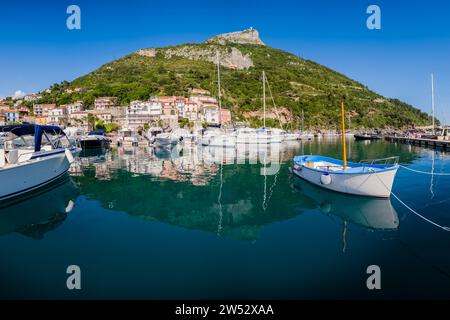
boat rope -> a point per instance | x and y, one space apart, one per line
412 210
425 172
274 104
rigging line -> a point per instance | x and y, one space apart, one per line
412 210
219 200
273 101
426 172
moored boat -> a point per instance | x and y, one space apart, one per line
31 157
95 139
370 179
366 136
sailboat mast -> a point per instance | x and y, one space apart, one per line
303 119
264 97
344 147
432 101
219 88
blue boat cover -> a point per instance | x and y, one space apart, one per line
32 129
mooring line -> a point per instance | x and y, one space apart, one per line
424 172
445 228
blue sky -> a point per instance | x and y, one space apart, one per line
37 50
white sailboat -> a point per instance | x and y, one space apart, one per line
263 135
217 137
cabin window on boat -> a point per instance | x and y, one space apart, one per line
11 141
55 140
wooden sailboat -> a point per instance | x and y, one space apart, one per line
373 178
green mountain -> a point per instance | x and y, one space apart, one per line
296 84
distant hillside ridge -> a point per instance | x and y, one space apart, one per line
298 86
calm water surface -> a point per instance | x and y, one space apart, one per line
144 223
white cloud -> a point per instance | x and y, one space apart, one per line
19 94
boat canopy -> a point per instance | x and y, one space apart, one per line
32 129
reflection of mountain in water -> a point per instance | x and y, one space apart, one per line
216 190
40 212
238 213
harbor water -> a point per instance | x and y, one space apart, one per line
199 222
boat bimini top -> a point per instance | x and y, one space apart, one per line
37 131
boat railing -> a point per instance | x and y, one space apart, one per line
383 161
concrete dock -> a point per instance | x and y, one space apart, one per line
430 143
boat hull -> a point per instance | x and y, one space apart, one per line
94 144
31 175
364 137
374 184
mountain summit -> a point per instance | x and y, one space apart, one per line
249 36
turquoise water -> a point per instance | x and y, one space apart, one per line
144 223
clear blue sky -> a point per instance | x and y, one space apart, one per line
37 50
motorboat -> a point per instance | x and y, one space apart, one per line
366 136
32 156
95 139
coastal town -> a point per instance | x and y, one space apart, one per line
163 111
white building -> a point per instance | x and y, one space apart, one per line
42 109
140 113
12 116
57 115
211 114
75 107
105 103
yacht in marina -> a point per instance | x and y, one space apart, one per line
95 140
31 157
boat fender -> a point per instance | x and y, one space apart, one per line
69 156
297 167
325 179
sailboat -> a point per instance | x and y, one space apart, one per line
262 135
372 178
218 137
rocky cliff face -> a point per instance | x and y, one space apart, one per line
250 36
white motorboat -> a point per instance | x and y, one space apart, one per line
31 157
95 140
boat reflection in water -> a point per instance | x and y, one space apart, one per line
370 213
194 188
39 212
